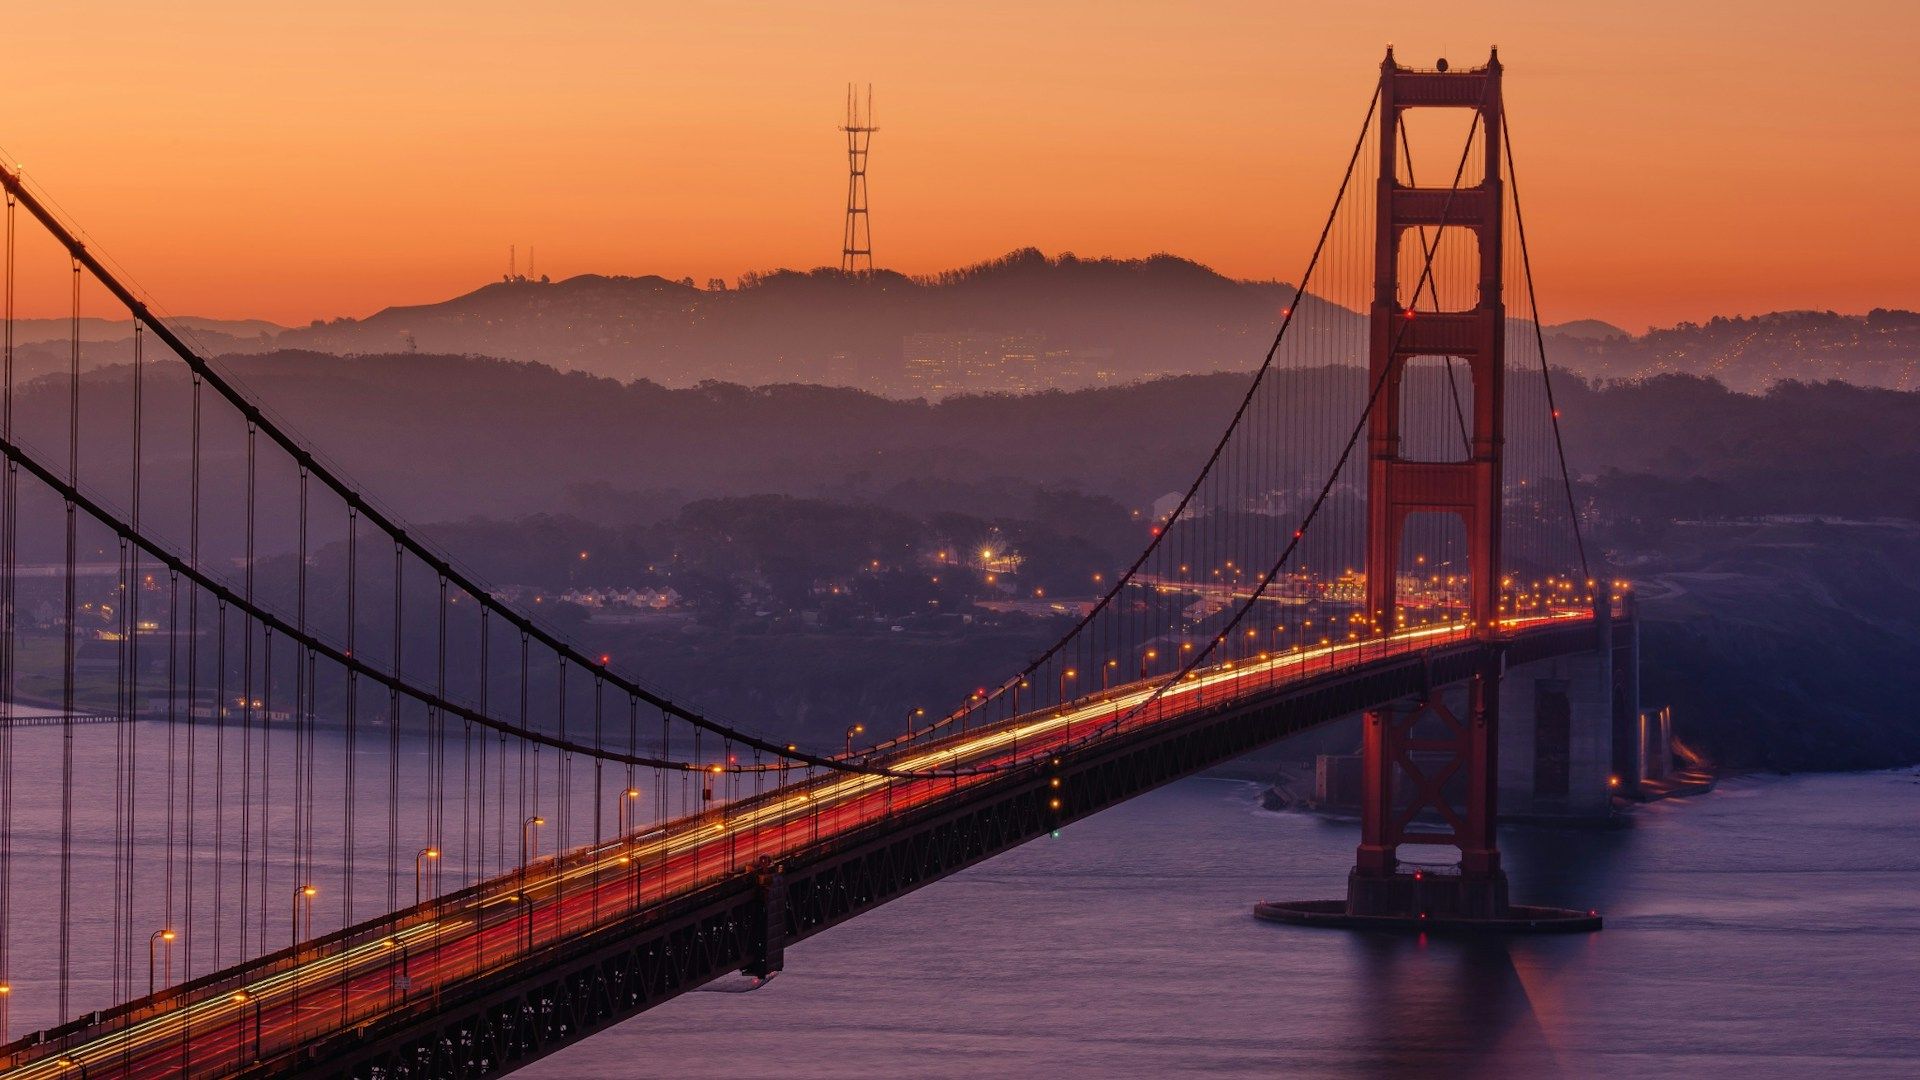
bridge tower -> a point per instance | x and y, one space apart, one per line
1399 487
1430 762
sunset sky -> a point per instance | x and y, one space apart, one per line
1679 159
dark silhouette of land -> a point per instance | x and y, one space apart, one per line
1023 322
764 543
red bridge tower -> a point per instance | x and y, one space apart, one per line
1430 767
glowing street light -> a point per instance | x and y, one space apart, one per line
529 844
425 855
403 982
153 944
306 893
622 823
242 999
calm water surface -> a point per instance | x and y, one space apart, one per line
1771 928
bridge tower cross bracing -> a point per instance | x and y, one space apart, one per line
1411 752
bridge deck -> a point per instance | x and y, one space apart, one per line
487 978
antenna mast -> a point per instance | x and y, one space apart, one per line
856 241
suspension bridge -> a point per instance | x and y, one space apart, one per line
361 817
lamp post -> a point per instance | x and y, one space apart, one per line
307 893
529 846
529 843
1066 676
851 732
153 945
1146 658
623 822
913 714
1106 673
243 999
424 856
526 901
404 983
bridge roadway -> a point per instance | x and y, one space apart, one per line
490 977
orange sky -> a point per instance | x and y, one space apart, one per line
1679 158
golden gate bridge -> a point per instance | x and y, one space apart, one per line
362 817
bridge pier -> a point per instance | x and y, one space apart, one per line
767 953
1432 776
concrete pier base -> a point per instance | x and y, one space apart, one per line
1422 901
1518 919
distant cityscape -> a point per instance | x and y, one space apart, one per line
944 363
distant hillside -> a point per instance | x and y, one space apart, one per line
45 346
30 331
1587 330
1023 322
1880 348
1782 613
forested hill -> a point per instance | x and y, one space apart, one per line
1128 317
447 436
1773 533
1880 348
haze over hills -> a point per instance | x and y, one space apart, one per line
1021 323
1785 522
1025 321
1029 321
1880 348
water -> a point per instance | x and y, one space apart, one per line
1771 928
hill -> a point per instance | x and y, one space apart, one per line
1880 348
1023 322
1781 522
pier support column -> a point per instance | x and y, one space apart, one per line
770 953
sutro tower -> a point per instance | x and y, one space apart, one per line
856 243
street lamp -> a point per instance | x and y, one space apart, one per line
307 893
526 901
242 998
425 855
1065 675
1106 673
851 732
1147 657
153 944
405 982
623 823
529 844
913 714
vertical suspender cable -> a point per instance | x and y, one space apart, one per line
67 687
246 705
193 694
131 600
9 533
1546 375
393 741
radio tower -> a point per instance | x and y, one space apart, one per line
857 241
